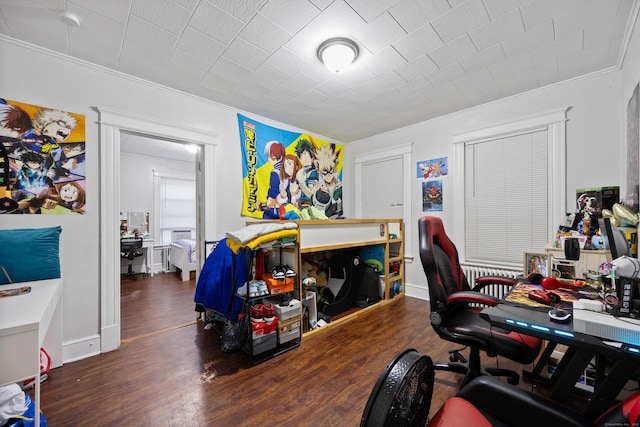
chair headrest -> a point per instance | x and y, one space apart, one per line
439 257
437 236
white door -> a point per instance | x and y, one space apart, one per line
381 187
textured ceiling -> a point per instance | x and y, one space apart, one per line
419 59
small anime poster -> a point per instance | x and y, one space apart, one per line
432 196
434 168
288 175
42 160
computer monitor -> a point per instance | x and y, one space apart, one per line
613 239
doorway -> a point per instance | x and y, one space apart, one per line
158 183
111 124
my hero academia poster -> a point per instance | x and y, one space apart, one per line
288 174
42 160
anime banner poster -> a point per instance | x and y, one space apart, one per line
42 160
288 175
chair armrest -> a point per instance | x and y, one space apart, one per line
503 281
516 407
472 297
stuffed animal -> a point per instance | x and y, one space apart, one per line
373 255
309 270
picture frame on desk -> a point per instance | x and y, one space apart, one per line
536 262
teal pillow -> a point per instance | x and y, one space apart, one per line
29 254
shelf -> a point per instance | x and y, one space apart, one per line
316 236
345 233
350 315
590 260
272 256
263 296
341 246
269 354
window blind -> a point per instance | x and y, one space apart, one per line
506 197
177 204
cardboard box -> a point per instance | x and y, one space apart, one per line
562 268
278 286
259 329
289 330
263 343
631 234
601 197
288 311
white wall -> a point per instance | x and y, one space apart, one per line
66 84
630 73
596 140
136 183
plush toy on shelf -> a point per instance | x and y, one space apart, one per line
621 215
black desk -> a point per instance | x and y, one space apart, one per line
582 348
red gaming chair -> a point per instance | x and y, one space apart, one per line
487 401
455 320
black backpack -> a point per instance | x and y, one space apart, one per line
367 288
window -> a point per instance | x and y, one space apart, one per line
175 204
510 188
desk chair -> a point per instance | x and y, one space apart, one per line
130 248
455 319
487 401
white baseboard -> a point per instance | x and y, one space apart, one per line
416 291
80 348
110 338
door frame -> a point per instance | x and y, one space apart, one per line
111 122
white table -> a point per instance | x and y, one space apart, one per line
147 244
27 323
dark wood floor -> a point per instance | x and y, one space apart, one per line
150 305
179 376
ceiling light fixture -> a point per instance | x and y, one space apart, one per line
338 53
69 18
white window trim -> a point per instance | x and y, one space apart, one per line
555 123
399 152
111 123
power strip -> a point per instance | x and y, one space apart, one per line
604 325
588 304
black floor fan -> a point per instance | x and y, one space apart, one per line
402 394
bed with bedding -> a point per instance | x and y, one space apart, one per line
183 256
